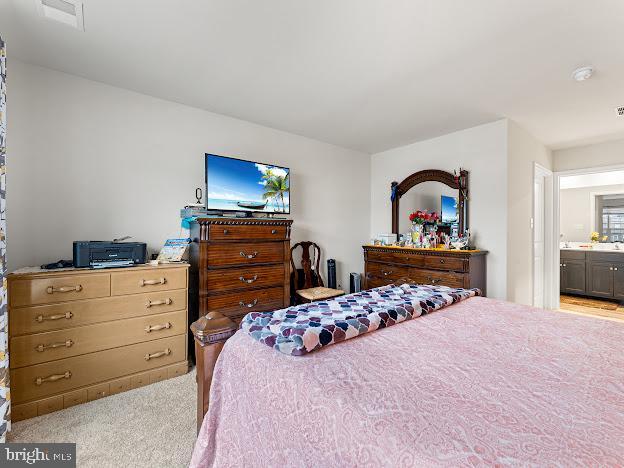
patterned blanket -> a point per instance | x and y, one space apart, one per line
305 328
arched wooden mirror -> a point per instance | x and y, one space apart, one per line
431 189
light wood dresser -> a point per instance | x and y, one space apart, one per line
78 335
452 268
239 265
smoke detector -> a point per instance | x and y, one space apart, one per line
583 73
620 111
68 12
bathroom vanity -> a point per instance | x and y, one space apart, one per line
593 273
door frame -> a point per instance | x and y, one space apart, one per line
557 218
547 223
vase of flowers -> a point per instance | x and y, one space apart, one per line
419 220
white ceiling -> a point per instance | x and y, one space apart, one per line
363 74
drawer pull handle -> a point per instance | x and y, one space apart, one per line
250 256
226 232
273 231
248 281
166 352
433 280
145 282
164 326
250 305
441 260
386 273
67 344
63 289
53 378
167 301
41 318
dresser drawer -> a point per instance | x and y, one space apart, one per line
27 350
373 282
225 232
41 380
33 291
245 278
73 314
385 272
241 303
148 280
445 263
438 278
245 253
396 257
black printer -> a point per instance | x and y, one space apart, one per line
106 254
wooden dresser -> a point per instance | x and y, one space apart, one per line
239 265
79 335
453 268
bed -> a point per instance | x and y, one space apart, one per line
481 382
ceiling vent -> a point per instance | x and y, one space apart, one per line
620 111
64 11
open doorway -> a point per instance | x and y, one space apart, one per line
589 245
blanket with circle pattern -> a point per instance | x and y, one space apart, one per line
305 328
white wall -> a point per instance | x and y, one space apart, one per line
610 153
524 151
575 206
481 150
91 161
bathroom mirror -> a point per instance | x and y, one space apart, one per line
432 190
609 221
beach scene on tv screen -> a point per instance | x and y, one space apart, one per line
237 185
449 209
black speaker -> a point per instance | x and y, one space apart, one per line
331 273
355 283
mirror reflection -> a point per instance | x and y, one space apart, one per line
434 197
610 217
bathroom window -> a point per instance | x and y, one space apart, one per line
611 216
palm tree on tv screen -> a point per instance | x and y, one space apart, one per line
275 188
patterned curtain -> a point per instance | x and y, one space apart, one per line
5 408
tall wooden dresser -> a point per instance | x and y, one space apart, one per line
78 335
453 268
239 265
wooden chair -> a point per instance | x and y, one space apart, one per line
310 287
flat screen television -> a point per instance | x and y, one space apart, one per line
239 185
449 210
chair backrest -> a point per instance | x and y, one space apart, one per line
311 277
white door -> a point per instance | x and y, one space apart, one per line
538 240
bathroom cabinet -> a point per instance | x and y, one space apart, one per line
591 273
573 276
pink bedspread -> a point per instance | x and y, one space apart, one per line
482 382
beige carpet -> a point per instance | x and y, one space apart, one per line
153 426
